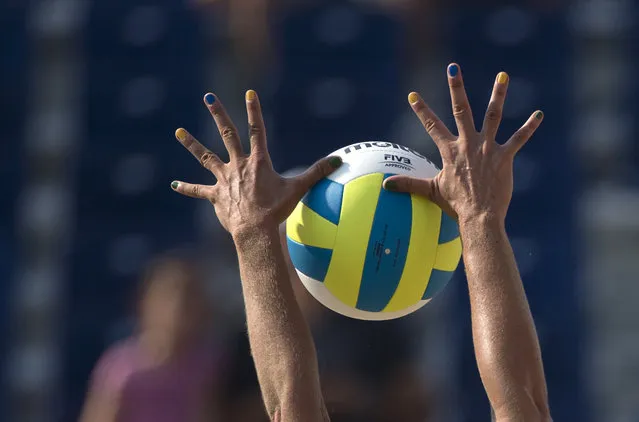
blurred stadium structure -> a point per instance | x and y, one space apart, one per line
91 92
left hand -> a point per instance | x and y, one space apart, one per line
249 193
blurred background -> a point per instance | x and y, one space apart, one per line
92 91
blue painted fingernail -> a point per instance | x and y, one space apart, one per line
453 69
209 99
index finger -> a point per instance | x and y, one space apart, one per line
433 125
225 125
461 106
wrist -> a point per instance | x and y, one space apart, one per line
247 236
481 219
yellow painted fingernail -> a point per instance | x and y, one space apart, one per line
413 97
502 78
250 95
181 134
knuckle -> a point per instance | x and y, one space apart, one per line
207 159
524 132
316 172
325 168
493 114
228 133
430 124
196 190
255 130
460 110
456 83
319 169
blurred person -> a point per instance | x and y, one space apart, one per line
475 186
167 371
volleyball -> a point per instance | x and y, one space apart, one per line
368 253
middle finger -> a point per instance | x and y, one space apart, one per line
461 107
225 125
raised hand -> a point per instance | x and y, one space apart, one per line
477 175
476 185
248 193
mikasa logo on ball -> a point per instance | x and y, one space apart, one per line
375 144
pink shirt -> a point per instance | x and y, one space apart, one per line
174 392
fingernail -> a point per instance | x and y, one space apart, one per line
335 162
250 95
175 184
390 185
209 99
180 134
453 69
539 115
502 78
413 97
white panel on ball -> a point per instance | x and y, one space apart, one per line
323 296
380 157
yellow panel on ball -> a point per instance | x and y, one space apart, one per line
307 227
422 252
355 221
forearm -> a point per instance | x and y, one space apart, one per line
280 339
504 336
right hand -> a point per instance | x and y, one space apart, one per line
477 174
249 193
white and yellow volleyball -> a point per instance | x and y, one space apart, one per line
366 252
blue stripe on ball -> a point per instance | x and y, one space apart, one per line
438 280
325 198
309 260
448 229
390 232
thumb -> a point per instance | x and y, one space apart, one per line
427 188
422 187
318 171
